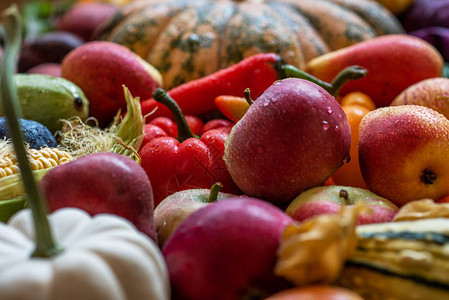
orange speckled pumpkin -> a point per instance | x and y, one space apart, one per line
188 39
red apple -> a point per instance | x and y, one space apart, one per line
329 199
103 183
227 250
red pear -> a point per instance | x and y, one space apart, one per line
292 138
101 68
404 153
394 62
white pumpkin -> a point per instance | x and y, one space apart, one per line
104 257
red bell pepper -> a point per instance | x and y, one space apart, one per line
185 162
221 124
170 127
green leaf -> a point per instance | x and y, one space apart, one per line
37 18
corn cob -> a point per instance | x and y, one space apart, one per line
39 159
400 260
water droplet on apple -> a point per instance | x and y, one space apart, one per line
329 109
336 128
266 103
325 125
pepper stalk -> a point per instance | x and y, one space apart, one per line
349 73
184 131
45 244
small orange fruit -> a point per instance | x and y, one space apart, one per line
358 98
355 105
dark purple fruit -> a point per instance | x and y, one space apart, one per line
50 47
35 134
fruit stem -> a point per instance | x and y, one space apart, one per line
248 96
347 74
214 192
184 131
344 194
286 70
45 244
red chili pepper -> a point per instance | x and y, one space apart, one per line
256 72
185 162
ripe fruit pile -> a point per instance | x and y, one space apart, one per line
262 179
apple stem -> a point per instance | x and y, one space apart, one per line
347 74
45 244
344 194
184 131
247 96
214 192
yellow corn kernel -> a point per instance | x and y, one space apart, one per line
39 160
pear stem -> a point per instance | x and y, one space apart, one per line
45 245
214 192
184 131
248 96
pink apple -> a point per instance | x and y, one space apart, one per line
329 199
103 182
227 250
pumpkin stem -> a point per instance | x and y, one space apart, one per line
184 131
45 245
347 74
214 192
